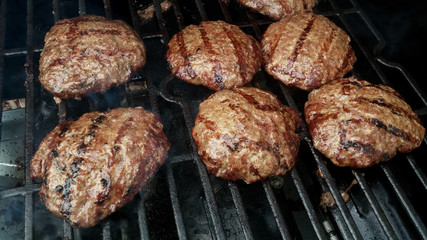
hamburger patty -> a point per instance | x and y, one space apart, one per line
358 124
215 54
89 54
93 166
306 51
276 9
246 134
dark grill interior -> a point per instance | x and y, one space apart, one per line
182 200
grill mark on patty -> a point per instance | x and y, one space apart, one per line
252 100
217 72
389 128
103 195
277 37
102 32
299 44
324 49
75 21
346 60
238 50
393 109
286 6
272 148
400 133
393 130
353 83
208 123
188 69
367 149
392 92
346 144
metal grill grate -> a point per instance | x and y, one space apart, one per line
383 204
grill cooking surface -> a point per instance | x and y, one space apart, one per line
182 200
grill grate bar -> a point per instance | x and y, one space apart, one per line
379 213
161 20
178 14
377 51
417 170
12 192
28 215
210 199
318 227
342 215
134 16
349 221
241 213
337 216
409 208
82 8
204 177
68 231
29 120
201 9
2 44
106 230
56 11
16 52
142 217
381 43
225 11
107 9
255 27
62 106
278 216
421 94
177 212
360 43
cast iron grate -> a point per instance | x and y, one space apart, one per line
385 203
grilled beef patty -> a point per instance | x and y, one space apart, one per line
358 124
93 166
89 54
306 51
246 134
215 54
277 9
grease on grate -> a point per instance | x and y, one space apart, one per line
328 201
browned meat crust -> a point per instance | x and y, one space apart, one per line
215 54
95 165
358 124
89 54
277 9
306 51
246 133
